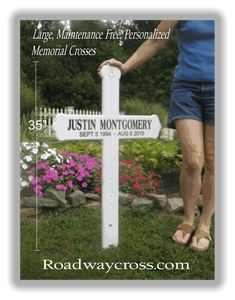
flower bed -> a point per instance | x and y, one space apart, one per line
43 167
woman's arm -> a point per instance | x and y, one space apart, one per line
146 50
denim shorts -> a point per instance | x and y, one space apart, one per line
191 100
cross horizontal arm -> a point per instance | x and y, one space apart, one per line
90 127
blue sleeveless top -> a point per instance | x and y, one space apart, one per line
196 46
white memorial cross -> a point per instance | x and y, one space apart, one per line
110 127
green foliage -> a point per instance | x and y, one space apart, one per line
26 134
170 156
135 106
144 237
27 98
92 149
157 156
84 89
153 155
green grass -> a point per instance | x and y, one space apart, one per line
144 237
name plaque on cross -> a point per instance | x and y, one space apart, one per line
109 127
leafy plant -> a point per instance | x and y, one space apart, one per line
153 155
92 149
135 106
27 96
30 135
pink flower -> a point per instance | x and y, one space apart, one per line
31 171
84 157
80 168
79 178
70 184
90 165
46 179
84 184
73 154
71 162
61 187
64 153
41 165
39 194
38 190
35 180
50 175
58 186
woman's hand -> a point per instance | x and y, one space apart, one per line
113 62
145 51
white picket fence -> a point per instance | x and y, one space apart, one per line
167 134
47 116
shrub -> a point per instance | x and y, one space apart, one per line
152 155
27 96
30 135
92 149
136 106
25 133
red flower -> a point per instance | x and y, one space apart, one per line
136 179
137 187
97 189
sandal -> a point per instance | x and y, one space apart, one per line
185 228
201 234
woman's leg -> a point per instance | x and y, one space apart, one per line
208 186
190 134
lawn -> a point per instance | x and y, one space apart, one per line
145 236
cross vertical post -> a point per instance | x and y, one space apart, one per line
110 159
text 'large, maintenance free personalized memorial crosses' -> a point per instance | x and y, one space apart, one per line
110 127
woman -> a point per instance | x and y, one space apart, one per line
192 114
